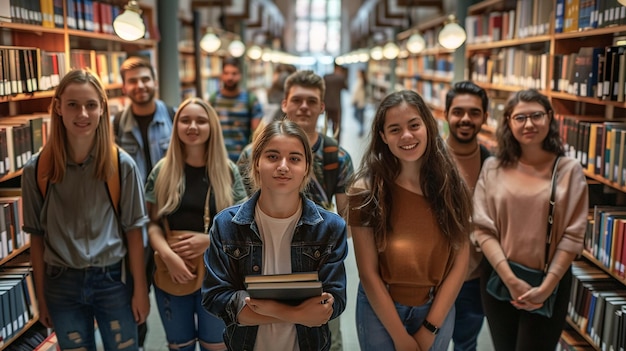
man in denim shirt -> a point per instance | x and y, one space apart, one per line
143 130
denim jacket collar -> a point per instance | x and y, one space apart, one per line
245 214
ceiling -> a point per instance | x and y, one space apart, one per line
361 19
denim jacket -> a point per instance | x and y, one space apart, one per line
159 133
236 250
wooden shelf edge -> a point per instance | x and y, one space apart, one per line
15 253
581 333
27 96
587 99
31 28
483 6
508 43
592 32
586 254
604 181
109 37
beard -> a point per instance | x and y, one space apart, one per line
230 86
464 138
143 101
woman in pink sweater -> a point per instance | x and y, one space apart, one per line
511 220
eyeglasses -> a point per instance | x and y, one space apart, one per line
535 118
471 112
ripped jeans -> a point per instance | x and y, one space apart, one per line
76 296
185 320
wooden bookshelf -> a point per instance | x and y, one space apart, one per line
36 45
494 51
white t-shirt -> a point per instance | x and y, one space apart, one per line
276 234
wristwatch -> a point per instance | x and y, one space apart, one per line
430 327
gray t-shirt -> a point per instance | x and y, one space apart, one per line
77 219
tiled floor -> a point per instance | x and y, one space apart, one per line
355 146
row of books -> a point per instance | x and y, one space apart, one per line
90 15
18 300
511 67
12 237
577 15
27 70
599 145
428 65
604 238
47 13
525 18
595 306
592 71
571 340
105 64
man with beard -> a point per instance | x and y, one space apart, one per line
240 112
466 111
304 103
143 130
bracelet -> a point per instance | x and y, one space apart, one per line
430 327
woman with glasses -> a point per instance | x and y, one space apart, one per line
511 205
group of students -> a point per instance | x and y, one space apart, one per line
422 211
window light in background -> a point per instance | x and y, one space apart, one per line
452 35
236 48
210 42
416 43
376 53
390 50
129 24
255 52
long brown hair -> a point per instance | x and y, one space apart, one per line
442 185
57 142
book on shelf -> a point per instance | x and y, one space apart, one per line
290 288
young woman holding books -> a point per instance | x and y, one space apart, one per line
80 235
511 209
193 182
409 214
277 231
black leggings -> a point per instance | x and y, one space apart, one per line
518 330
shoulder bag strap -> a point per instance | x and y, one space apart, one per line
550 215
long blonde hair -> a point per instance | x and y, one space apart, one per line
171 185
57 142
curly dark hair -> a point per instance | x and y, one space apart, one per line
509 150
442 185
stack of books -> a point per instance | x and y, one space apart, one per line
290 288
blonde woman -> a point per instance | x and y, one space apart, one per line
198 180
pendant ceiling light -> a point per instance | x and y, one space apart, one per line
210 42
416 43
129 24
452 35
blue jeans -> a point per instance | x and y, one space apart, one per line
469 316
76 296
178 315
374 337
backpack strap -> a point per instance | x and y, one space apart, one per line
113 183
331 166
484 154
42 171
